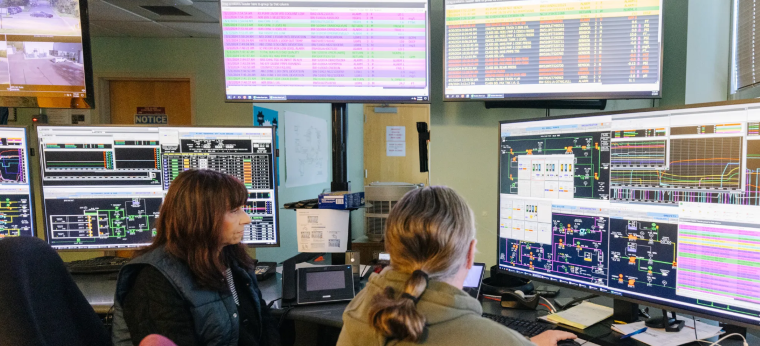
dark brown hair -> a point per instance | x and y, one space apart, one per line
190 223
428 235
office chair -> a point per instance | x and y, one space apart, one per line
41 304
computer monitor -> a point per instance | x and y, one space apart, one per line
659 207
326 51
45 56
103 186
16 207
552 49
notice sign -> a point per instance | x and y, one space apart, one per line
395 141
151 115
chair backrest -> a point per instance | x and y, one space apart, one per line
41 304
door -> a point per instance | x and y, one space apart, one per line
391 143
173 95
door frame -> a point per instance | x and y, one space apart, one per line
102 86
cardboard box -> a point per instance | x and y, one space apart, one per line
341 200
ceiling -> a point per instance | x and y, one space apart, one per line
129 18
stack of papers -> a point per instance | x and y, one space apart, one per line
659 337
581 316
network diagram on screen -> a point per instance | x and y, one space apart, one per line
659 206
103 186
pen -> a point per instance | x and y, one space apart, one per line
634 333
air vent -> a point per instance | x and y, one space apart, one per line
166 10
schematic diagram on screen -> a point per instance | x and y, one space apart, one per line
569 165
580 247
102 220
15 216
643 256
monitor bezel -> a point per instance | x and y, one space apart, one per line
134 248
365 100
627 298
561 96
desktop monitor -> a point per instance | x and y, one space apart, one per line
45 56
498 50
326 51
659 207
16 207
103 186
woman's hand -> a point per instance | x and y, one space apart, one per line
551 337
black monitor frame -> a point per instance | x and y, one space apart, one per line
358 99
619 95
275 156
652 303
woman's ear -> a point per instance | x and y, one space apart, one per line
471 253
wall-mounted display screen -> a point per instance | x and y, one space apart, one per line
552 49
326 51
45 54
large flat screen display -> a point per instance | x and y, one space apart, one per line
326 51
103 186
552 49
45 54
658 206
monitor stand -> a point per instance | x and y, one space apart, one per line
669 324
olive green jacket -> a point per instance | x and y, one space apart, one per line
453 317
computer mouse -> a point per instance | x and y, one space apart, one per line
568 342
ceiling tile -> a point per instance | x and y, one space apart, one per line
100 31
211 30
142 29
210 8
103 11
135 6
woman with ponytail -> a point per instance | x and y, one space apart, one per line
418 299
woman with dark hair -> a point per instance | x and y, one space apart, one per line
195 284
430 235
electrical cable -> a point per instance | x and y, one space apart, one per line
728 336
547 307
282 318
272 302
553 309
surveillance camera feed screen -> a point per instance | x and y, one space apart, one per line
41 53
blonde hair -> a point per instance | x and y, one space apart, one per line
428 235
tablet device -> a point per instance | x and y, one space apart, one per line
474 279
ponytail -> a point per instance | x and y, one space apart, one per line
398 318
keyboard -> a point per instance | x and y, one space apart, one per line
527 328
97 265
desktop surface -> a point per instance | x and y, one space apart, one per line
99 291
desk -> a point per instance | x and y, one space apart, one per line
99 291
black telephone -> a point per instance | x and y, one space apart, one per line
264 270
